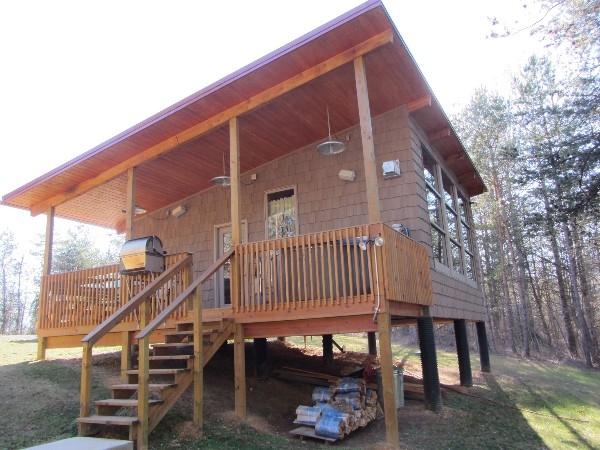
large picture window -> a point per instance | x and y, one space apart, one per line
281 214
450 219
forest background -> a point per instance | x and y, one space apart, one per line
537 147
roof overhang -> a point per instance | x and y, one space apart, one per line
185 143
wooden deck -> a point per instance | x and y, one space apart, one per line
327 282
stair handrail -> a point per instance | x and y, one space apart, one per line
117 317
105 327
166 312
143 337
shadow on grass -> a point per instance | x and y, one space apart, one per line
565 422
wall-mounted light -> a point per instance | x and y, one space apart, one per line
179 211
138 210
347 175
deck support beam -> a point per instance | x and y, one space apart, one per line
239 355
462 351
384 328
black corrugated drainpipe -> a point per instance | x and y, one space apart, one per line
462 351
484 352
431 377
261 364
328 350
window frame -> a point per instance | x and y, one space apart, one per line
266 209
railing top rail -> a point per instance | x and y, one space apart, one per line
164 315
101 330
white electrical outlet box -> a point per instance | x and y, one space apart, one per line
391 169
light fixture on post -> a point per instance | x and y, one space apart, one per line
222 180
330 147
137 211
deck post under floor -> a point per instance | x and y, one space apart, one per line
384 327
431 378
372 341
239 355
327 350
462 351
484 352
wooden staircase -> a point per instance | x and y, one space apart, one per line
170 375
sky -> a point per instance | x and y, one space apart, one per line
73 74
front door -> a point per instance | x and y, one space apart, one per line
223 275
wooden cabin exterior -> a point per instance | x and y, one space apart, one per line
299 243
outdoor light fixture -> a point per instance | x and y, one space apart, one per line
330 147
347 175
179 211
138 210
222 180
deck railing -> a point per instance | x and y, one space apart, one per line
87 297
338 267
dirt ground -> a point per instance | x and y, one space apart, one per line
271 403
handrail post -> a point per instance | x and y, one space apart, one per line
144 378
198 360
85 393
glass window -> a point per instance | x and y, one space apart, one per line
449 215
281 214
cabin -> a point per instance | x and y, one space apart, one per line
319 190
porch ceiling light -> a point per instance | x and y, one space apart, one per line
222 180
330 147
138 210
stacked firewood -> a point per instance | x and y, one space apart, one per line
340 409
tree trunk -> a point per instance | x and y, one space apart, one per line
585 336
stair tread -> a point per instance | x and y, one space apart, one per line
109 420
159 371
168 357
129 402
152 386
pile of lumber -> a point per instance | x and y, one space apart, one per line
340 409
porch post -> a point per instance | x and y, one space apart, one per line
42 341
366 132
239 349
130 207
372 341
384 327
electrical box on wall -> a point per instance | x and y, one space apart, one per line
391 169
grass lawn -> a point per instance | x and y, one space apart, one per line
521 404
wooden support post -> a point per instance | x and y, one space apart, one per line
130 208
126 342
41 347
239 352
198 361
384 328
49 243
372 341
236 224
366 133
86 387
261 364
143 394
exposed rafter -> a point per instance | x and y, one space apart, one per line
439 135
419 103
